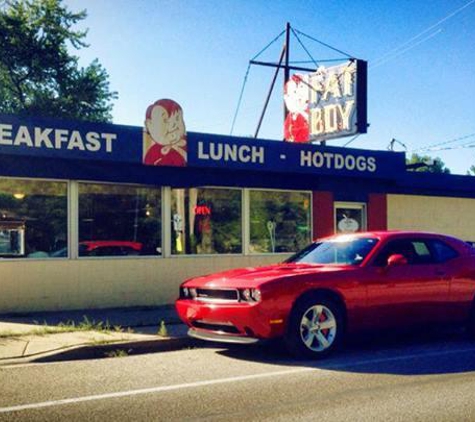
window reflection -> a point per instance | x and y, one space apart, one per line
206 221
119 220
280 221
33 218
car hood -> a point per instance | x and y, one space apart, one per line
256 276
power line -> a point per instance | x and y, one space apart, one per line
464 146
384 58
380 63
434 147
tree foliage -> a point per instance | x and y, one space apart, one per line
38 74
438 165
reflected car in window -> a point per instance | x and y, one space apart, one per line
109 248
336 286
103 248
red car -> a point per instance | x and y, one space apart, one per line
109 248
338 285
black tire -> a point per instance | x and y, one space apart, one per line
315 328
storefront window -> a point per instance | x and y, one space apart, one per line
119 220
33 218
280 221
206 221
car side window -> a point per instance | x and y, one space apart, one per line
422 253
416 251
442 251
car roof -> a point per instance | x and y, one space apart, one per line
396 234
386 234
92 244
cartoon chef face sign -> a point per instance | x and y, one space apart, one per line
296 100
296 94
164 142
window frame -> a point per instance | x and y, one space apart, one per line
248 233
435 252
73 206
67 183
168 239
74 247
352 206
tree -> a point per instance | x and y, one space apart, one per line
471 171
38 75
438 165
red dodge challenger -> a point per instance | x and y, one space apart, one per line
337 285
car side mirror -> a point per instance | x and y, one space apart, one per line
396 260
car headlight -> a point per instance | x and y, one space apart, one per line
251 295
256 295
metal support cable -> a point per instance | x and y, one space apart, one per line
352 139
312 61
240 98
282 54
326 45
245 80
268 45
305 49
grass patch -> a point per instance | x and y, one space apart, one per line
65 327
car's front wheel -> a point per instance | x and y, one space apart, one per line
315 328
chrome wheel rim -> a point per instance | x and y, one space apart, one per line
318 328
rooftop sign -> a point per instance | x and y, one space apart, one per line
329 103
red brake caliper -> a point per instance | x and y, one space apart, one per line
322 319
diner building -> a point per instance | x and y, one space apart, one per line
92 217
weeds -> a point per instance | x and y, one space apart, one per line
162 329
66 327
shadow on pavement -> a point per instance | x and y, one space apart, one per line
416 352
118 350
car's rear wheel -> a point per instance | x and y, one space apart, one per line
315 328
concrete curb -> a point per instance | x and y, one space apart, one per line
93 351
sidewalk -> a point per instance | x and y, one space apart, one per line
69 335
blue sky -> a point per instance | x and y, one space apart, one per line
421 56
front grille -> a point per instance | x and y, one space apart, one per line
212 294
213 326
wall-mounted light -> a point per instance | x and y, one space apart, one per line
18 195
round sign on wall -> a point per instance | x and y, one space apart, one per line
348 225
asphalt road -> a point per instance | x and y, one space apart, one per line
417 377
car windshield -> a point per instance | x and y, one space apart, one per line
342 250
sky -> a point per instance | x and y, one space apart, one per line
420 53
